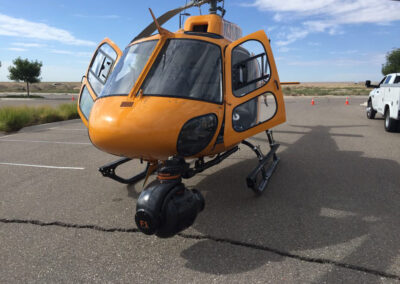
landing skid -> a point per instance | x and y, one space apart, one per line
257 180
108 170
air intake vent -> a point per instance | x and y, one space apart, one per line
200 28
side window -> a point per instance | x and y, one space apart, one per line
388 79
250 68
253 112
86 103
397 80
101 66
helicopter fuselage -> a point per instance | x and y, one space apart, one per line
163 83
195 93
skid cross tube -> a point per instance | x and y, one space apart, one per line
108 170
201 166
266 173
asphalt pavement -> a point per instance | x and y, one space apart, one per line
329 215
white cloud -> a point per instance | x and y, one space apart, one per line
17 49
363 60
17 27
345 52
73 53
313 43
109 17
284 49
23 44
293 35
278 17
328 15
341 11
58 51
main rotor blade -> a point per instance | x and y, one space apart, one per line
166 16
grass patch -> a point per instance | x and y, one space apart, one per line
15 118
325 91
24 96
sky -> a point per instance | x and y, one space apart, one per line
312 41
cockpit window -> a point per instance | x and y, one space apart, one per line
128 69
186 69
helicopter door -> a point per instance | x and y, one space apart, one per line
101 65
254 99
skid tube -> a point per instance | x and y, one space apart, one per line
108 170
258 179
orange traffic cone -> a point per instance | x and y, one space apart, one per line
347 101
312 102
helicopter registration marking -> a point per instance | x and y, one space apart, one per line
126 104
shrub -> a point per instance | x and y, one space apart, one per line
15 118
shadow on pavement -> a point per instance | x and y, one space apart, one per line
321 202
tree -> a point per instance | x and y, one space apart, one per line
392 64
26 71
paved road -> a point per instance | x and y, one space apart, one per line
331 212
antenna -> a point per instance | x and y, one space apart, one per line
182 16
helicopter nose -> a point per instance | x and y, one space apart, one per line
139 131
147 127
104 132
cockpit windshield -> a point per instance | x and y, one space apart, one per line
186 69
128 69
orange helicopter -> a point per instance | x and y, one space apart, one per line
194 94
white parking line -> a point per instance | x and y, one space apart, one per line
49 142
1 137
42 166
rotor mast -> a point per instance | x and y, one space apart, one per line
214 8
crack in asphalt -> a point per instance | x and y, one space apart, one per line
215 239
294 256
68 225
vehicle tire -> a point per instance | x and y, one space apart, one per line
390 123
370 110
